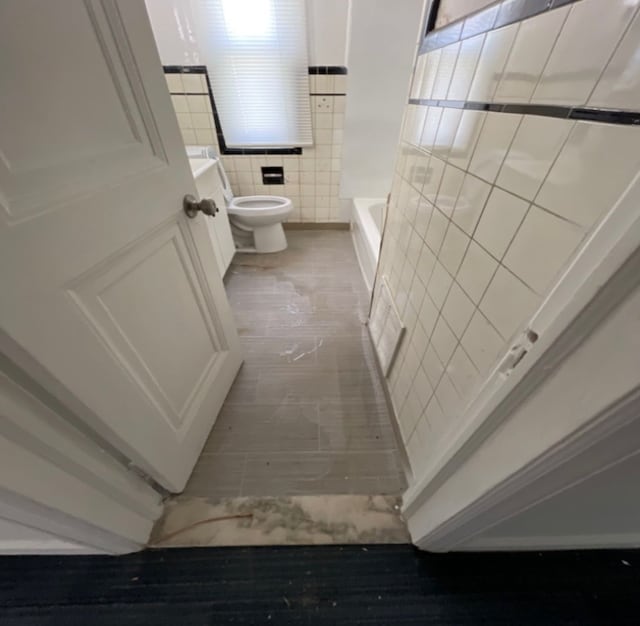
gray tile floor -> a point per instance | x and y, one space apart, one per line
306 414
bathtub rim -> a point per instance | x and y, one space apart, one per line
369 233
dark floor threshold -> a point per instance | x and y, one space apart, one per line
377 584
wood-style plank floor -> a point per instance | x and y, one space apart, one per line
306 414
382 585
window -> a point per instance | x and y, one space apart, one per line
256 54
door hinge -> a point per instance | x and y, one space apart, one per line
517 352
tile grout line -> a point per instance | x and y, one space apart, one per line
553 47
449 220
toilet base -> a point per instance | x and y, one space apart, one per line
270 238
266 239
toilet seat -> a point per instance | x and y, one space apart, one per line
259 206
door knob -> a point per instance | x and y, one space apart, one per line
191 206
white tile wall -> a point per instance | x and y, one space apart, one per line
488 207
531 154
541 246
448 397
447 129
476 271
428 78
458 309
465 67
482 342
577 60
464 144
449 189
594 165
431 125
463 373
493 143
446 65
453 248
500 220
507 302
528 56
443 340
418 76
491 64
619 85
174 83
312 179
432 365
470 203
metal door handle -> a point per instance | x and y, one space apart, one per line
191 206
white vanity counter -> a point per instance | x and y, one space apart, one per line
209 185
200 166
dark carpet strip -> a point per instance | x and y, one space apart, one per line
390 585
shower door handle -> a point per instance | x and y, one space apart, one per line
191 206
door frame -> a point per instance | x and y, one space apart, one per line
57 479
604 271
605 441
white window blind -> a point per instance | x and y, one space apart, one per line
256 54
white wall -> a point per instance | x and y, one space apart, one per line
327 31
174 32
382 46
172 23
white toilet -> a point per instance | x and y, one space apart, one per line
256 221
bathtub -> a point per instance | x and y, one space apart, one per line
366 229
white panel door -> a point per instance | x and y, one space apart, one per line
111 297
